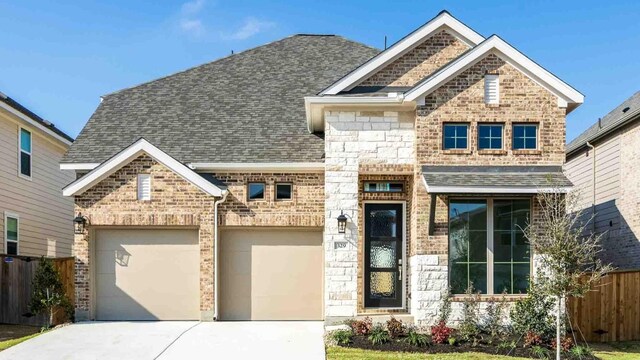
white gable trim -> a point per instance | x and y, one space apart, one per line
79 166
130 153
501 48
444 21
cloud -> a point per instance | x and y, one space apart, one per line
189 21
249 28
192 7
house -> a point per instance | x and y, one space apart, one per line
35 217
602 162
317 178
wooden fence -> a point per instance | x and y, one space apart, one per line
611 311
15 289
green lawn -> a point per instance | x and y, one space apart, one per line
611 351
9 343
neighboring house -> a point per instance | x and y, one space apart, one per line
604 164
35 218
215 193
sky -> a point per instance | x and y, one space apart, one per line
58 57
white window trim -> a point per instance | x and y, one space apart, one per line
275 195
6 229
513 138
490 241
142 177
491 79
20 151
444 125
491 137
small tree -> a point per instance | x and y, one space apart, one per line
568 254
48 293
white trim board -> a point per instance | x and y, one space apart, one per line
130 153
79 166
495 45
443 21
34 123
302 166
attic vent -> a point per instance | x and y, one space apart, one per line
144 187
491 89
625 109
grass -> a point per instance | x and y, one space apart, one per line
4 345
629 350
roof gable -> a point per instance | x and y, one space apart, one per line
567 95
443 21
130 153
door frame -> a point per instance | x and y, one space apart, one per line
404 252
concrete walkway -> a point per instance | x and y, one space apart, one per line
176 340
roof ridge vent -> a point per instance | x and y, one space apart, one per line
599 123
625 109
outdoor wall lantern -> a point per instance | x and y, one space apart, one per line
79 223
342 222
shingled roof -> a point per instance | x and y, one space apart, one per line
247 107
629 110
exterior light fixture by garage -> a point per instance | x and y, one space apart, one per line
342 223
79 223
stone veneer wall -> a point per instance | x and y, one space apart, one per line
355 141
177 203
462 100
420 62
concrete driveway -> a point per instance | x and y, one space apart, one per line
176 340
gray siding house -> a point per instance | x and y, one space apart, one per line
603 163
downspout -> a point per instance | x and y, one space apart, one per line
215 254
593 181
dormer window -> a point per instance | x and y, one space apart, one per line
491 89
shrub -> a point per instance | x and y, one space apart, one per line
452 341
48 292
580 351
506 345
414 338
534 313
493 318
566 343
440 333
469 329
361 327
532 339
539 352
378 335
396 328
445 307
342 337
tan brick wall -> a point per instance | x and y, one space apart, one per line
462 100
176 202
420 62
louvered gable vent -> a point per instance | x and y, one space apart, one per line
144 187
491 89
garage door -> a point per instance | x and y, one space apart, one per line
147 275
271 275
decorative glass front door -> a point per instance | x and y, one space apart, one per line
383 231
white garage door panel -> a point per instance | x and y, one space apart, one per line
147 275
271 275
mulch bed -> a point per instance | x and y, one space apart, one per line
10 331
361 342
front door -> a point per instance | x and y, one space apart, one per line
383 232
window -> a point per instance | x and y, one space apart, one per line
490 136
491 89
11 234
525 137
487 247
144 187
383 187
455 136
284 191
25 153
511 254
256 191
